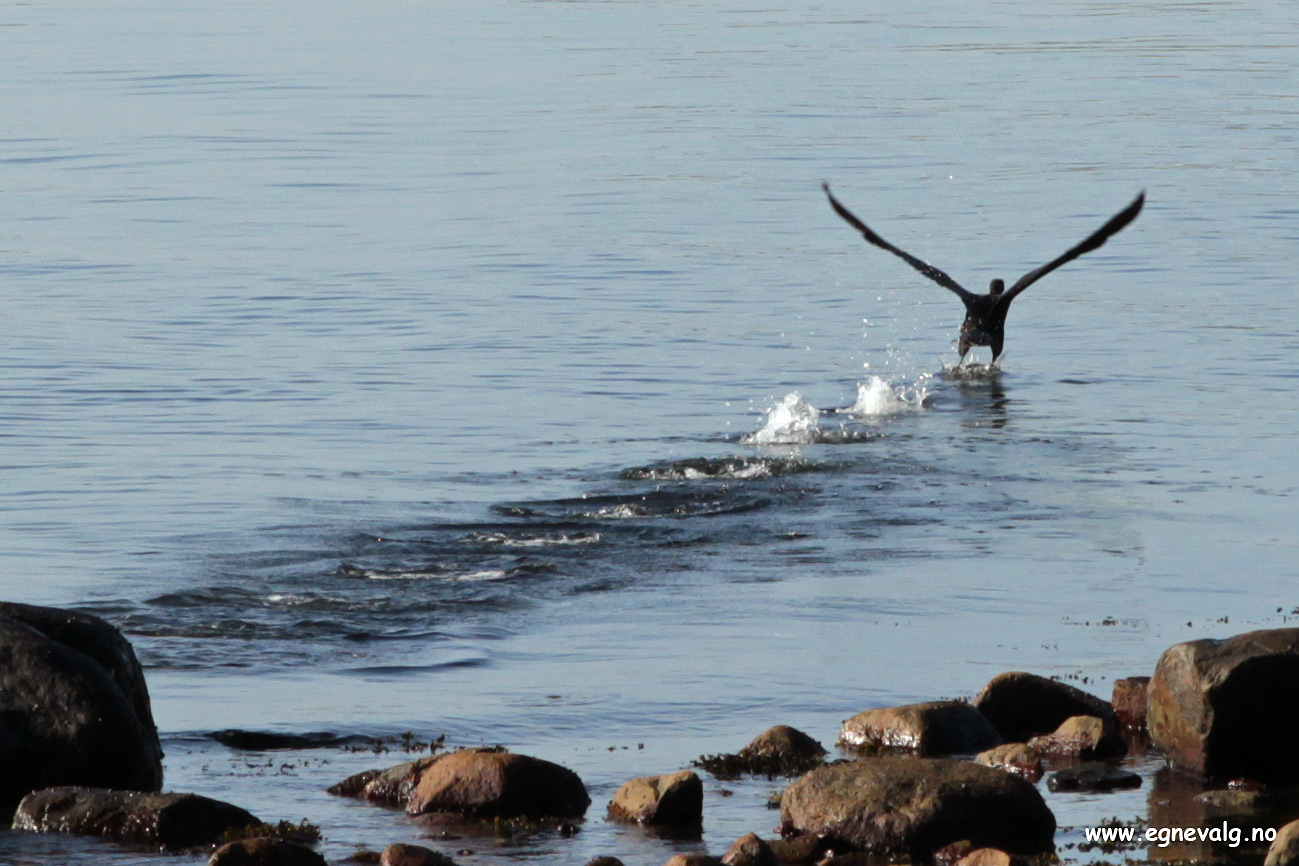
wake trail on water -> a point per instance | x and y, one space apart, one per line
794 421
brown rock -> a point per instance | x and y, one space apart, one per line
604 860
1284 850
400 854
1230 708
783 742
1021 705
985 857
74 709
1018 758
168 820
674 798
1084 737
750 850
265 852
1129 702
489 783
692 860
391 787
916 806
934 728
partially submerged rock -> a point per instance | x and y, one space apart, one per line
402 854
1095 776
750 850
1018 758
916 806
1021 705
169 821
268 741
1086 737
934 728
1129 701
1230 708
390 787
692 860
495 784
673 798
1235 801
74 708
265 852
777 751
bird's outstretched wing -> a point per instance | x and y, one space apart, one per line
1096 241
924 267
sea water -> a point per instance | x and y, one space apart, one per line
499 370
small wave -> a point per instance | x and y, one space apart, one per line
650 504
436 572
877 397
563 539
792 421
728 468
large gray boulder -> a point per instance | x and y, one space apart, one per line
914 806
1229 708
74 709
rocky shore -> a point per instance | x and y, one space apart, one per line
952 781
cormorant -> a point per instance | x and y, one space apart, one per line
985 315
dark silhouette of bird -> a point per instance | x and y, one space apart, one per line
985 315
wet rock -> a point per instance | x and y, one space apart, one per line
1083 737
268 741
784 743
692 860
750 850
777 751
1228 708
1095 776
985 857
1018 758
934 728
74 708
265 852
916 806
1021 705
1284 850
390 787
674 798
169 821
604 861
401 854
1129 702
491 783
1236 801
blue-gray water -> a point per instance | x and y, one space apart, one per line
359 360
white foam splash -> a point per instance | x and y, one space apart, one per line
878 397
792 421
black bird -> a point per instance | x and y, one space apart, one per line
985 315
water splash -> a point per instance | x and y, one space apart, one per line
792 421
878 397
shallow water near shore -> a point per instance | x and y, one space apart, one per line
500 371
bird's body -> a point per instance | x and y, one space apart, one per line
985 315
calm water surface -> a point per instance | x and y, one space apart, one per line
399 366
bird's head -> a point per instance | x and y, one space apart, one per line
997 287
